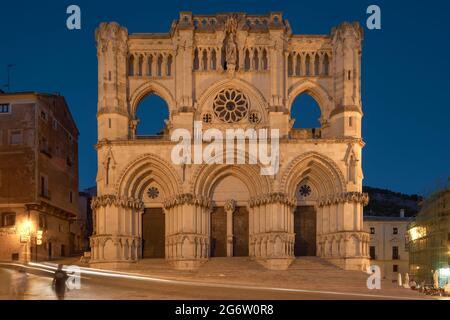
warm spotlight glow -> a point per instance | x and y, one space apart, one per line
417 233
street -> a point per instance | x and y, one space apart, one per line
114 286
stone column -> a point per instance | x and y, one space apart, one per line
187 230
112 238
230 207
272 230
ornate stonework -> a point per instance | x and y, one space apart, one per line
230 71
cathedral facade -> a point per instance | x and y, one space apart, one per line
230 71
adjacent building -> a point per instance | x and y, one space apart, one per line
38 177
388 247
230 71
429 239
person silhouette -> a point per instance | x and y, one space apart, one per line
59 282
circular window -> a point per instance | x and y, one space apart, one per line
230 106
305 190
254 117
153 192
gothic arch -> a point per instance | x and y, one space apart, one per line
208 175
149 88
257 100
315 90
319 169
144 170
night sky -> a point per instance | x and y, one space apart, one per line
405 75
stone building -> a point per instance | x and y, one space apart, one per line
38 176
388 247
429 239
230 71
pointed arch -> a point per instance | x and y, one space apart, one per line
144 170
315 90
320 170
150 87
209 174
254 94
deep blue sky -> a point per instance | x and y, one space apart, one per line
405 77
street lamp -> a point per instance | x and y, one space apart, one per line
25 236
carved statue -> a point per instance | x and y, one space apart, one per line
231 50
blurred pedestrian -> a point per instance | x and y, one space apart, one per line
59 282
19 282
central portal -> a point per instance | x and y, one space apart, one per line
305 231
229 232
153 233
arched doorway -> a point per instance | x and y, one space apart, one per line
153 233
230 219
305 220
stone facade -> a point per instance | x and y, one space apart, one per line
38 177
387 246
263 66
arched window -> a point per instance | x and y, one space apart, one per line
152 114
290 73
255 60
265 61
213 60
204 60
131 65
149 65
316 65
298 65
326 65
308 65
196 60
247 60
169 65
140 63
306 112
160 61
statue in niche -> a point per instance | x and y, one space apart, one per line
230 51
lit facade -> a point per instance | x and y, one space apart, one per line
230 71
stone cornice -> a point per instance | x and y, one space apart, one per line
187 198
274 197
356 197
113 200
50 209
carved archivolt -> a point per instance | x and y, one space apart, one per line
274 197
355 197
188 198
113 200
329 177
147 88
148 166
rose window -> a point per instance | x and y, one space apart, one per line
305 190
230 106
153 192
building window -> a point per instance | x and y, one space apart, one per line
5 108
8 219
395 230
395 255
448 237
42 222
372 230
44 187
15 137
55 124
372 252
395 268
70 196
43 115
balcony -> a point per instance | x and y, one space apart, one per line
302 134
